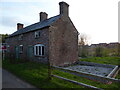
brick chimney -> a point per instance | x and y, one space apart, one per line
64 8
43 16
19 26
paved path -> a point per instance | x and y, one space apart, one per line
11 81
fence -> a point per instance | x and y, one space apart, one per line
78 74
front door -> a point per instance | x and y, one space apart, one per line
30 52
17 52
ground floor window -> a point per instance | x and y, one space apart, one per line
21 49
39 50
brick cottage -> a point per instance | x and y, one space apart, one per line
54 39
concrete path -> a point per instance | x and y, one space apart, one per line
11 81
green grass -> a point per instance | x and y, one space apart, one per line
103 60
86 81
37 75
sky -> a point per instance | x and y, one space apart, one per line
97 19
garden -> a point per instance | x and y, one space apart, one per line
37 74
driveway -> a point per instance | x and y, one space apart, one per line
11 81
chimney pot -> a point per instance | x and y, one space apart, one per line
19 26
64 8
43 16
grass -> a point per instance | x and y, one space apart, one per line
118 76
103 60
86 81
37 75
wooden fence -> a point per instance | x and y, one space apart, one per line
75 73
75 82
50 75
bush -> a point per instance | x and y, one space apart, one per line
99 52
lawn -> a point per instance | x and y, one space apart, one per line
37 74
103 60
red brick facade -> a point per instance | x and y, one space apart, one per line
60 40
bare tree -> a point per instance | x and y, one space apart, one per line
83 39
83 45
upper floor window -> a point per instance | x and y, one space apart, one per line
20 37
21 49
39 50
37 34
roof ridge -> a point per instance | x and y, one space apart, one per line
39 21
37 25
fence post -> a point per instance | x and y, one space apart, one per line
49 70
3 54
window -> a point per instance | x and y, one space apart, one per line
21 49
39 50
37 34
20 37
8 48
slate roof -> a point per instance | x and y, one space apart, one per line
38 25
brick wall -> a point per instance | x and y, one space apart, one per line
29 40
63 42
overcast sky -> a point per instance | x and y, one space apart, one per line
98 19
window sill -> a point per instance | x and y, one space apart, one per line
20 52
39 56
37 37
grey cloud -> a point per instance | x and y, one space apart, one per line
8 21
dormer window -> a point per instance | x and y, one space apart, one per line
37 34
20 37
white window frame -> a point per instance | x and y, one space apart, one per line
39 53
37 34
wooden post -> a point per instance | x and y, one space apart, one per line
78 83
49 59
49 70
3 54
